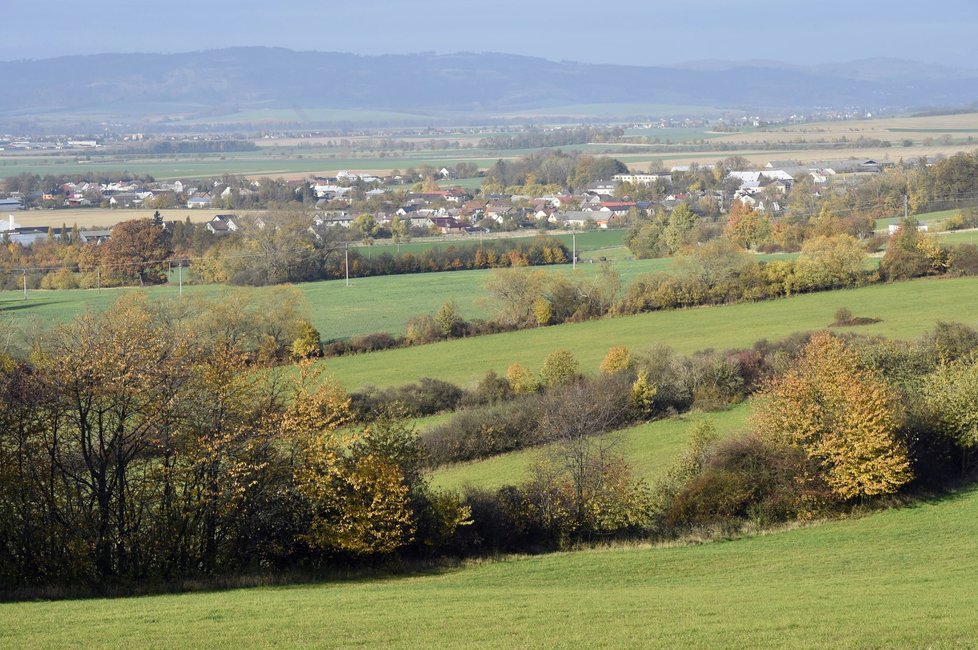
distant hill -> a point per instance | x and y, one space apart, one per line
164 87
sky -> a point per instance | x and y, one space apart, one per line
649 32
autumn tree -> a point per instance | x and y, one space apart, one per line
560 367
746 226
521 379
617 360
835 261
845 418
137 251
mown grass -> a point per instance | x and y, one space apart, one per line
650 449
374 304
906 308
924 217
900 578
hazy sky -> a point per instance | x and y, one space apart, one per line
642 32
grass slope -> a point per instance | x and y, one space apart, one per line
376 304
650 449
901 578
685 330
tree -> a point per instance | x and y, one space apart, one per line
307 344
582 487
835 261
618 359
950 395
682 221
137 250
560 367
449 320
746 226
842 416
515 291
521 379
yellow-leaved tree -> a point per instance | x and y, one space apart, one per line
358 498
845 418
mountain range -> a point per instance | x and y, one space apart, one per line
162 88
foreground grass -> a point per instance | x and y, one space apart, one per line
650 449
901 578
907 309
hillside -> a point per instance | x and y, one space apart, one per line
900 578
685 330
162 91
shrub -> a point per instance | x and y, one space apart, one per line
426 397
744 479
491 389
485 431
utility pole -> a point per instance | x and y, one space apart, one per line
574 255
25 284
180 276
98 279
346 263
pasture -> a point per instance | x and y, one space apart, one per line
686 330
899 578
372 304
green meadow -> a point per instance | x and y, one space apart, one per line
650 449
906 308
899 578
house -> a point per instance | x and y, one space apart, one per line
223 224
94 236
200 200
643 179
605 188
617 207
447 225
894 227
581 219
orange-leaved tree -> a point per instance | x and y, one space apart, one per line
845 418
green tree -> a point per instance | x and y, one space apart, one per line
682 221
560 367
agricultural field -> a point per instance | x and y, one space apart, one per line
295 158
898 578
741 325
374 304
924 217
958 237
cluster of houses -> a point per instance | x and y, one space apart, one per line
447 210
762 190
124 194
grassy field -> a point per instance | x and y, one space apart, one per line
650 449
924 217
900 578
687 330
375 304
959 237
